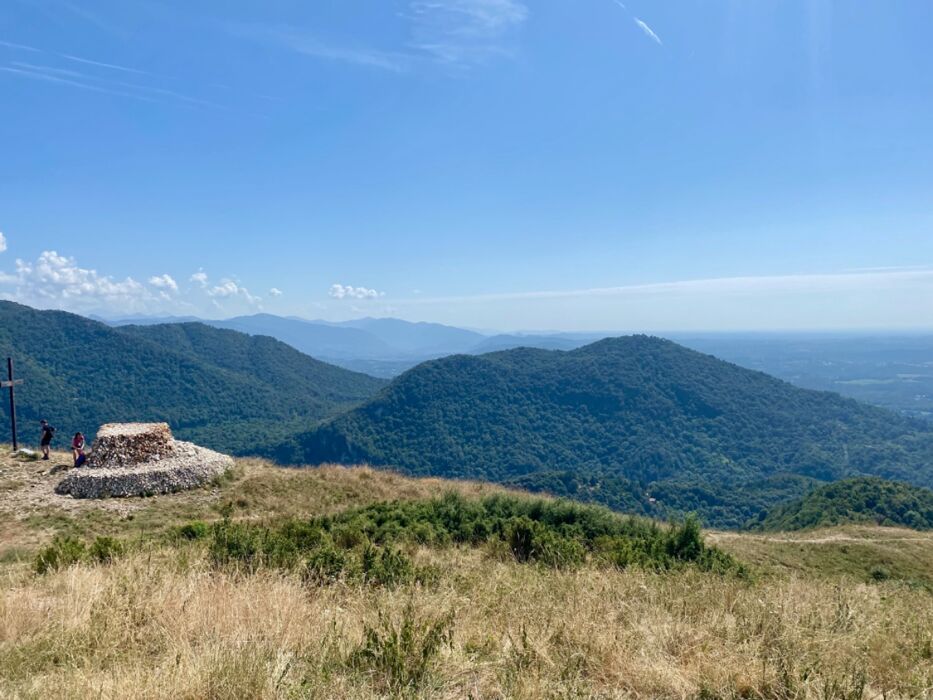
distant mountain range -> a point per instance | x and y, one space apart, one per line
228 390
894 371
641 424
638 423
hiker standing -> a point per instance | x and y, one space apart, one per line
48 432
77 449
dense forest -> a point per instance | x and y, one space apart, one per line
227 390
868 500
638 423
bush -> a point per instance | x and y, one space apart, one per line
386 567
196 530
61 553
105 549
553 533
235 543
400 654
326 564
685 542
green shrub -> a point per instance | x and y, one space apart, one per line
105 549
196 530
520 535
560 534
326 564
61 553
400 655
235 544
386 567
685 542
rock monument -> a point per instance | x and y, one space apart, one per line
142 459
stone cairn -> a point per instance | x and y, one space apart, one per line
142 459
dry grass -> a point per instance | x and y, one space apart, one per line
161 622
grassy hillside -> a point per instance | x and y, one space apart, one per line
621 422
228 390
858 500
175 605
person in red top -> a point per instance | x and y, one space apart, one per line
77 449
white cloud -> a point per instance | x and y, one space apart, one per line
275 292
58 281
164 282
229 289
340 291
464 31
649 32
2 242
199 278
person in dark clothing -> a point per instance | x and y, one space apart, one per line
48 432
77 450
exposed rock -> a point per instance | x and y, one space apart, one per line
141 459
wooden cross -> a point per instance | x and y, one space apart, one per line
11 384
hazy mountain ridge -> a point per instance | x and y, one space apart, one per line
894 371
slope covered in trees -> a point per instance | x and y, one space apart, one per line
867 500
231 391
639 423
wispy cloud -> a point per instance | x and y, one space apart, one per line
451 32
719 285
2 242
305 42
100 64
19 47
84 80
465 31
96 83
640 23
39 75
649 32
71 57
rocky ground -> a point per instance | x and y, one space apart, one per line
188 467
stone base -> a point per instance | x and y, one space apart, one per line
122 444
189 466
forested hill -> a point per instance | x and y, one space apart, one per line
225 389
859 500
623 421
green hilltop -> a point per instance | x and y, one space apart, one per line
637 423
228 390
860 500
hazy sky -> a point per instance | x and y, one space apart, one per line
561 164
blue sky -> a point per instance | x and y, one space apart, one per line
506 164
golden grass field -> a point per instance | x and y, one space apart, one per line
161 622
